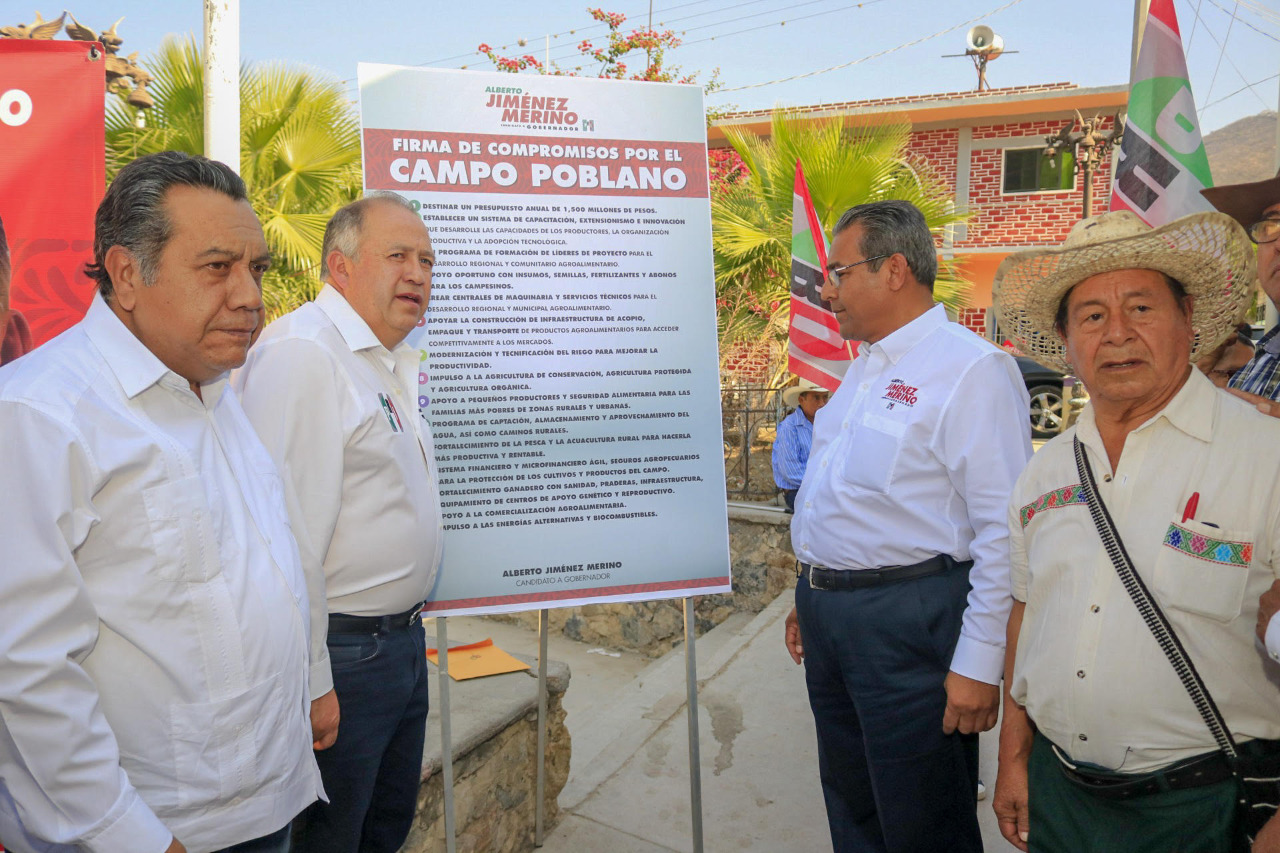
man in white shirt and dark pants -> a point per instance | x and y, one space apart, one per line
901 536
333 391
153 614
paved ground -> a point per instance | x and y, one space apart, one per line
628 789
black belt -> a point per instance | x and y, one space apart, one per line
341 623
1194 772
836 579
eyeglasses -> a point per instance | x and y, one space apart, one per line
833 275
1265 231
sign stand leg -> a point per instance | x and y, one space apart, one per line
540 806
695 764
446 735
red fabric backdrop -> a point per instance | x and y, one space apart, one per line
51 176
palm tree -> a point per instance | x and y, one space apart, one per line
299 152
751 217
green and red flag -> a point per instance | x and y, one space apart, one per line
815 350
1163 164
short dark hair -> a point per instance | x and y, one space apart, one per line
132 212
1176 287
894 227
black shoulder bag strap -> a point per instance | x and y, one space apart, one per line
1150 611
1256 781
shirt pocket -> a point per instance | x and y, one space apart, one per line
181 530
216 745
1203 570
873 452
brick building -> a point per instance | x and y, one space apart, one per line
988 147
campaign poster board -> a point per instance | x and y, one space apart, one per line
569 354
52 171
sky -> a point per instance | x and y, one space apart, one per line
1084 43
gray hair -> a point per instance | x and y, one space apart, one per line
132 213
342 234
894 227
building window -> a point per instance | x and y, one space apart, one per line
1027 170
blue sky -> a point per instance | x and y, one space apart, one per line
1085 43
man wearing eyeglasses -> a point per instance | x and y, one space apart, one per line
1256 206
900 529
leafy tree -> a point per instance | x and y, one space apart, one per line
299 152
751 217
616 46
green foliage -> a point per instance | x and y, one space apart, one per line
299 152
751 215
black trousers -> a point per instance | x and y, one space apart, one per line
875 661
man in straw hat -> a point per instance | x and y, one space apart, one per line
1256 206
901 536
1101 747
795 437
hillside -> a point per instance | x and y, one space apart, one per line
1244 150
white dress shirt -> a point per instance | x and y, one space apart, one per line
153 627
914 456
1088 670
339 414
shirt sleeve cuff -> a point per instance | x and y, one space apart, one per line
978 660
137 828
321 677
1273 637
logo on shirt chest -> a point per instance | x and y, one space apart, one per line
899 393
393 416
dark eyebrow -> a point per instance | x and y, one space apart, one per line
215 252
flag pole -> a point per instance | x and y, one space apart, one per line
1140 10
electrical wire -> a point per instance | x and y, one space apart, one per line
1241 89
1222 53
1233 65
1253 27
873 55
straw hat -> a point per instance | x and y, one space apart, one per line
1209 253
1245 202
791 395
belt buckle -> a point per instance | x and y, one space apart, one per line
813 585
415 618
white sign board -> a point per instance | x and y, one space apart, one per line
570 372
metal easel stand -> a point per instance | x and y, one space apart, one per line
446 736
540 803
695 764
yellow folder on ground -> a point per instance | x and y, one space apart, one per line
477 659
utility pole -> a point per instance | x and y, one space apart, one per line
1140 10
222 82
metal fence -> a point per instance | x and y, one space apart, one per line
750 415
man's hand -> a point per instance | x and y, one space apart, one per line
1263 404
1010 801
1268 840
324 721
1267 607
972 706
175 846
795 644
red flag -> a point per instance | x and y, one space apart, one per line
815 350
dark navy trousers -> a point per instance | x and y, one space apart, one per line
372 772
875 661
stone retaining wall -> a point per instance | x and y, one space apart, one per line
494 723
760 551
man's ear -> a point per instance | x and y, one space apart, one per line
339 270
899 273
126 276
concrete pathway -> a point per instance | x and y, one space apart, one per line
628 788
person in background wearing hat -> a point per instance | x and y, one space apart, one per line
901 536
1101 747
795 437
1256 206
